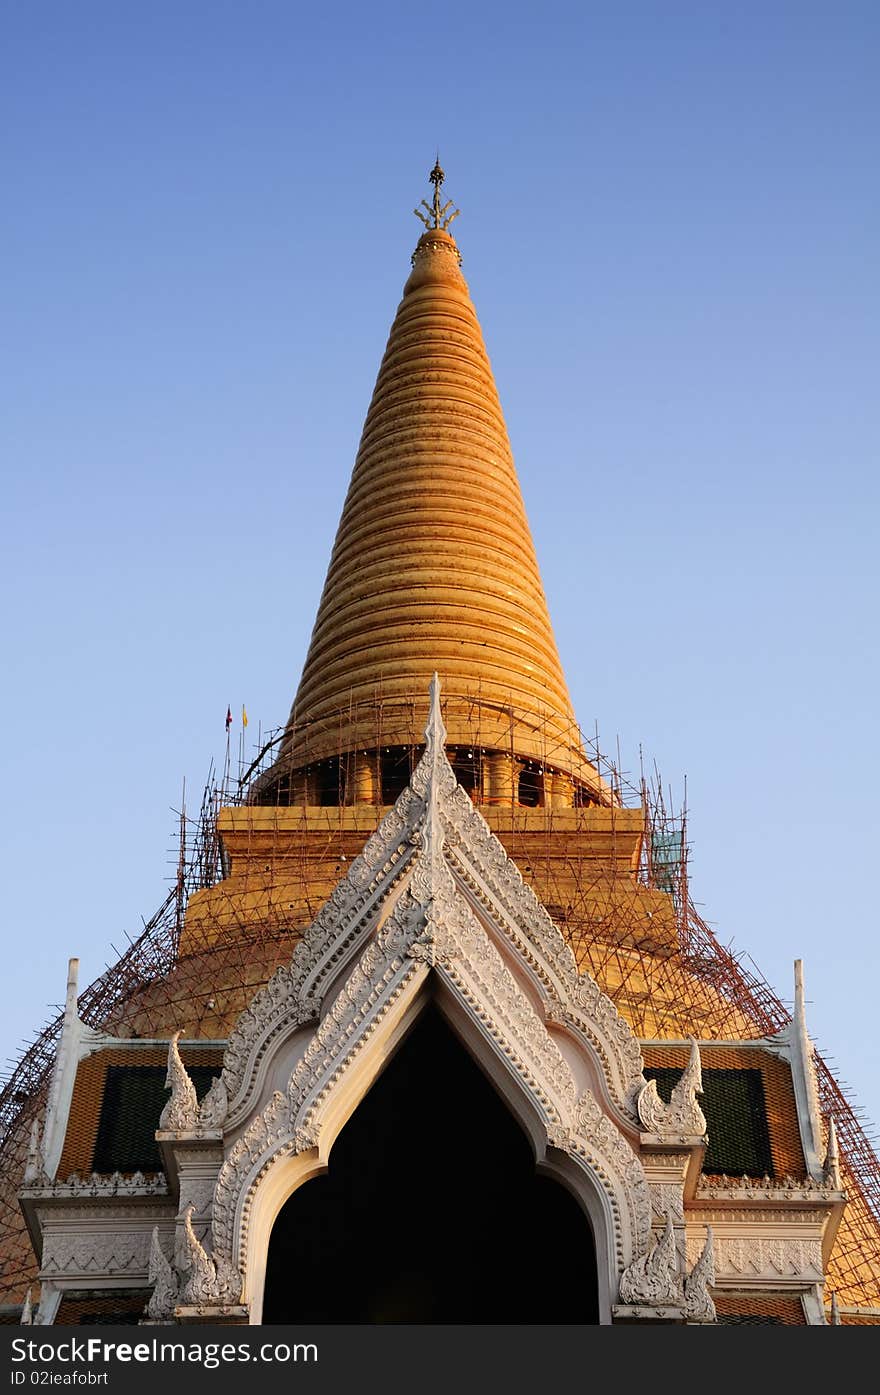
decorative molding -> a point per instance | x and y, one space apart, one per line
794 1045
120 1252
76 1041
411 904
611 1157
98 1184
489 988
181 1113
698 1303
215 1106
682 1116
267 1134
765 1257
656 1277
789 1217
34 1171
196 1265
164 1282
573 999
667 1199
720 1187
211 1281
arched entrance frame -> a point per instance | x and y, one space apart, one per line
275 1178
433 907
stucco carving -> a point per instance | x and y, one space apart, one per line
698 1303
215 1105
415 902
682 1116
121 1252
656 1277
211 1280
768 1257
488 985
102 1184
667 1198
164 1282
339 1035
720 1187
264 1137
181 1113
34 1172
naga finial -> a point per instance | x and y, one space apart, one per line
437 215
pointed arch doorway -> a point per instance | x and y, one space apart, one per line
431 1210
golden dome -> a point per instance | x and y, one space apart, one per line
433 567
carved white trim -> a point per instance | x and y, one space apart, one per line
682 1116
34 1172
667 1198
720 1187
100 1184
793 1043
457 947
656 1277
164 1282
210 1280
698 1304
181 1112
293 996
76 1042
758 1257
96 1253
421 899
215 1106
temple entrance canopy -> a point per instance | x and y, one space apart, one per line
395 1088
477 1235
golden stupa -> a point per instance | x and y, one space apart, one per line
434 570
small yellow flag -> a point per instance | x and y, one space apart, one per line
243 715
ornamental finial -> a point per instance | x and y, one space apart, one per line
437 216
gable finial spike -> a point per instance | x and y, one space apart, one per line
435 731
72 986
799 1007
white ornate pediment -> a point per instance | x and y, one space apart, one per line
472 866
435 897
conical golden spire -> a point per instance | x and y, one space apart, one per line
433 567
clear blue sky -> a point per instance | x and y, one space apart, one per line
669 226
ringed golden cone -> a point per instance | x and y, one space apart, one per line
433 566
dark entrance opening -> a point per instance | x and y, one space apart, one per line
431 1210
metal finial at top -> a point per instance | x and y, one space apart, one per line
437 216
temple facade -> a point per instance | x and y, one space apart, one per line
434 1008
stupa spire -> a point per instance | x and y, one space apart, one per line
434 569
